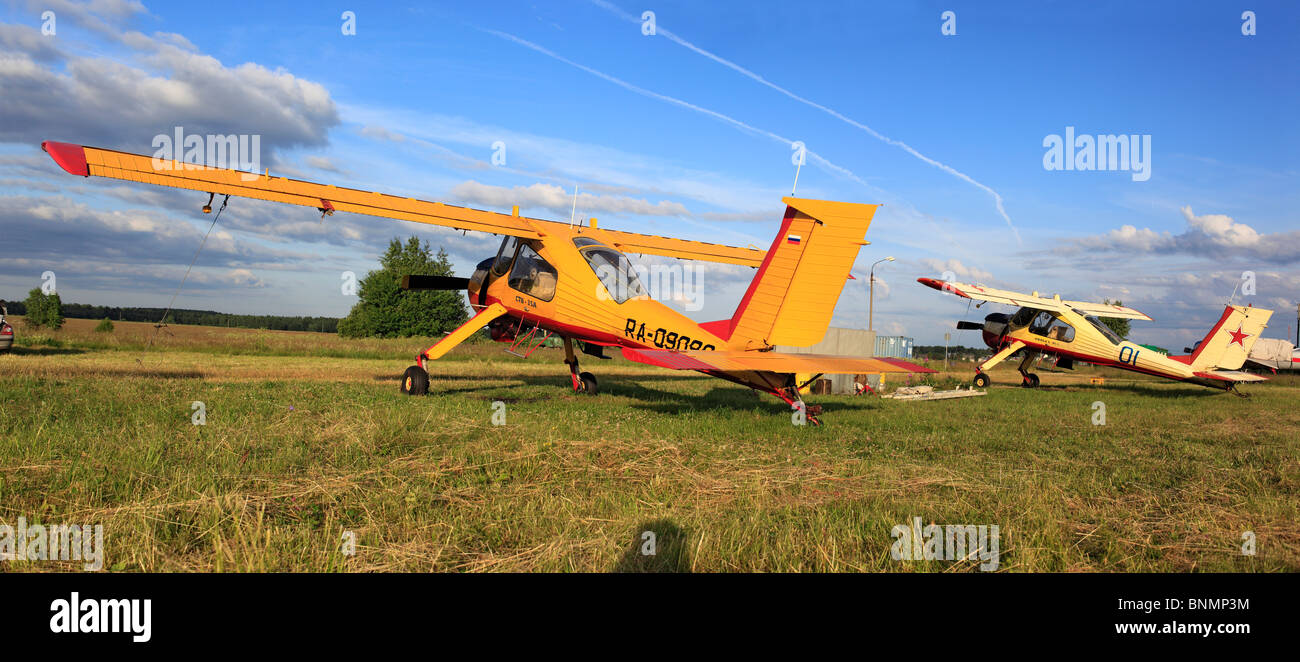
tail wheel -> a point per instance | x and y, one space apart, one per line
415 381
981 380
1031 381
588 383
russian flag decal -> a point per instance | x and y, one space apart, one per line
792 238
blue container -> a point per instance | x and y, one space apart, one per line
894 347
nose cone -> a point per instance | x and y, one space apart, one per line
995 327
478 283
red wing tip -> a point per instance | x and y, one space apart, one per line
71 158
942 286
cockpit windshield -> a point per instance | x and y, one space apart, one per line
612 268
505 255
1023 317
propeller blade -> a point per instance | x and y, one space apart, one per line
970 326
434 283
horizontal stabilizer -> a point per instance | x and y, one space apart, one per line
1232 376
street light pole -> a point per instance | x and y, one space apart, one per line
871 297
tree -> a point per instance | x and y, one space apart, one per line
1119 326
44 310
105 326
386 311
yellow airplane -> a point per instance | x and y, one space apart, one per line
577 283
1071 330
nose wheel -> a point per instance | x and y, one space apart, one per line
415 381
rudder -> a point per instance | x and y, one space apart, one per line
1228 344
793 294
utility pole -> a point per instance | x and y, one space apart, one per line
946 338
871 296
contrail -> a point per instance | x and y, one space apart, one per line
997 198
684 104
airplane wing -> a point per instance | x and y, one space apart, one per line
981 293
1107 310
93 161
631 242
740 360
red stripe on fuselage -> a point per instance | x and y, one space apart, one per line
762 269
1227 312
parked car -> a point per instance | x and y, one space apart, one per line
6 331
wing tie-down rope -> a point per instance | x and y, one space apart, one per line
163 321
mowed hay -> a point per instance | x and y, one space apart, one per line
299 449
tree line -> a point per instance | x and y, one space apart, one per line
185 316
383 308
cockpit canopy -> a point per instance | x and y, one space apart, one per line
613 268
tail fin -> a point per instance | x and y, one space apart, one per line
1229 342
793 294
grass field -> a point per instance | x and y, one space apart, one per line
307 437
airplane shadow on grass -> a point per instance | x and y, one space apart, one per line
736 398
657 545
1138 389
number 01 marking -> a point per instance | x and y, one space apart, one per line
1129 355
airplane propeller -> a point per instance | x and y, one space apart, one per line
434 283
970 326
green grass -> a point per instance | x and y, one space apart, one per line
296 451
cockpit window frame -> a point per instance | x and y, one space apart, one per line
635 289
544 266
497 268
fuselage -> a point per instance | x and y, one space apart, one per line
579 287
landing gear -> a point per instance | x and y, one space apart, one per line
791 396
584 382
1028 379
981 380
588 383
415 381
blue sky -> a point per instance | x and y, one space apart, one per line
675 133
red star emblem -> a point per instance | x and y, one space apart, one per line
1238 336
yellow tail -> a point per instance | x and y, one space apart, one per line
793 295
1228 343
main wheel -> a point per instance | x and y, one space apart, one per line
1031 380
588 383
415 381
981 380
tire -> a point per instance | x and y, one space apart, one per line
1031 380
415 381
981 380
588 383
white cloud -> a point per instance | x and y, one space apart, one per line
1214 236
104 102
963 272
